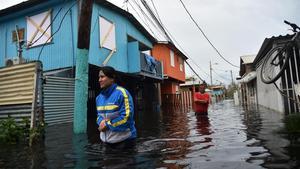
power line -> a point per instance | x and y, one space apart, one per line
194 71
205 35
157 21
57 28
146 17
172 37
142 19
219 75
32 43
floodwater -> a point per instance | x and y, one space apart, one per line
229 138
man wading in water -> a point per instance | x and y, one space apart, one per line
202 100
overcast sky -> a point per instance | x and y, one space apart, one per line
235 27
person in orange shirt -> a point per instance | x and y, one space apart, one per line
201 100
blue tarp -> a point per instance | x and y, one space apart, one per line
151 62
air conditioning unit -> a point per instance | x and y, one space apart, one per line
14 61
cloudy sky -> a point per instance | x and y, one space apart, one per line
235 27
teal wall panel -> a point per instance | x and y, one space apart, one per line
134 57
60 52
123 28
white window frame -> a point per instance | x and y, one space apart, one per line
107 33
172 59
39 29
180 64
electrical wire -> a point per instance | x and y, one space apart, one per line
146 17
143 20
157 21
174 40
206 36
219 75
194 71
56 29
32 43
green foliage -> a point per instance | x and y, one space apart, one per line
292 123
10 132
37 133
230 91
13 133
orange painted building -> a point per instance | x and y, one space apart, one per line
173 66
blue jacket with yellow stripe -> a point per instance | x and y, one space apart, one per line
115 105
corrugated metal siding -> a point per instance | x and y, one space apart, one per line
58 99
16 84
18 91
15 111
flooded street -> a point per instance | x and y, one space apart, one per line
230 138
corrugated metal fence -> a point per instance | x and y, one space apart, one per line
58 99
19 85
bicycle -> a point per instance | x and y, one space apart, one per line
277 58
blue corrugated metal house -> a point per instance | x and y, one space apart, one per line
47 31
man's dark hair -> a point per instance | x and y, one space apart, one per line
109 71
203 84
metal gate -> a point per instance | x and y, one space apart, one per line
58 99
291 79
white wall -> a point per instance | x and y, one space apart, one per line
267 94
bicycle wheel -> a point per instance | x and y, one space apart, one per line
274 64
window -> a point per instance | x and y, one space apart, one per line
172 58
107 34
20 35
181 64
39 29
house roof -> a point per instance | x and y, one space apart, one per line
20 6
267 46
129 16
248 77
174 48
247 59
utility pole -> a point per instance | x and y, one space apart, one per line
82 67
231 77
210 72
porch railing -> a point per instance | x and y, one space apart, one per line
151 66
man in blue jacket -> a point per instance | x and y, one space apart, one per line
114 110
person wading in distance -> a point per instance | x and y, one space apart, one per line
201 100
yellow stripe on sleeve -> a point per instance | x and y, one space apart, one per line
127 109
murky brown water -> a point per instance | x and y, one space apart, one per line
230 138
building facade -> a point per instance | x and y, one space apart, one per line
248 87
47 31
172 60
281 95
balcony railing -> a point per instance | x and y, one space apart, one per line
151 67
